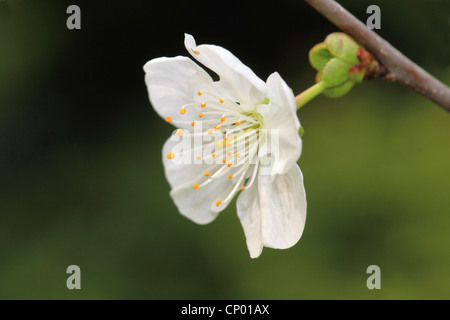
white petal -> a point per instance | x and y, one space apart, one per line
178 171
273 214
174 82
200 205
239 79
283 208
281 121
249 213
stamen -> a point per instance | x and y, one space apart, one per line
195 51
198 157
251 134
223 160
200 115
169 119
213 155
210 131
180 123
202 104
225 171
170 155
199 92
221 100
255 170
180 132
195 186
193 123
238 154
222 119
216 175
183 110
199 148
242 188
206 174
238 122
218 203
215 105
229 164
230 176
236 187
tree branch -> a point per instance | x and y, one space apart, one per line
395 66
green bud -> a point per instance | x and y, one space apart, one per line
335 72
342 46
319 55
356 73
337 92
341 63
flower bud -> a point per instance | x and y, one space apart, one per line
341 63
342 46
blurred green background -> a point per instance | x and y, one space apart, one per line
82 182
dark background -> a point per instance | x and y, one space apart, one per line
82 182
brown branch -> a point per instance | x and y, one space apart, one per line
395 66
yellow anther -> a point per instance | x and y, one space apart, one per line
238 122
216 128
170 155
218 203
202 104
229 153
168 119
198 157
193 123
229 144
200 92
180 132
213 155
222 119
223 160
195 186
200 115
183 110
209 131
206 174
229 164
229 176
195 51
238 154
242 188
221 100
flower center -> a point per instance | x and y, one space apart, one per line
235 149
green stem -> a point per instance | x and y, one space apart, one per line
309 94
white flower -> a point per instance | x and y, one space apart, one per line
247 142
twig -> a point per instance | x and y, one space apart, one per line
395 66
